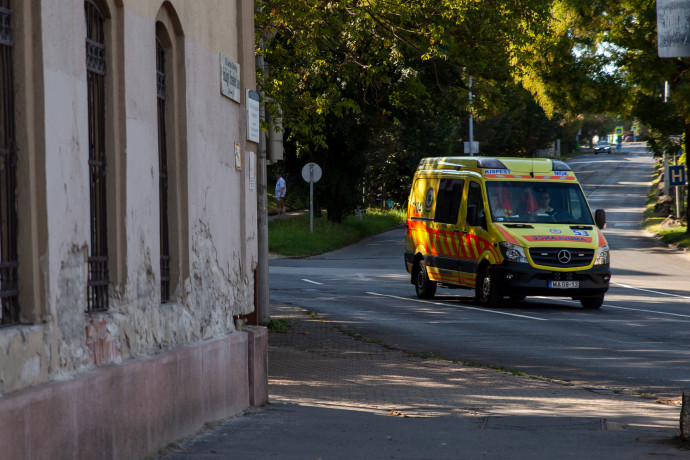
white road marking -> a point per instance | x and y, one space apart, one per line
312 282
649 290
458 306
649 311
622 308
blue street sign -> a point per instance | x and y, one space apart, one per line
676 175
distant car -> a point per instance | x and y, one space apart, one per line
602 146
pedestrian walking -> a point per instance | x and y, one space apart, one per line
281 189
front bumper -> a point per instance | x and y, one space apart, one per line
525 280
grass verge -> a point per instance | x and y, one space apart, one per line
676 236
291 236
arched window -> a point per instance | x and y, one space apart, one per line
95 70
9 311
172 154
163 175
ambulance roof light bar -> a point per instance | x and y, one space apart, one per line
560 166
490 163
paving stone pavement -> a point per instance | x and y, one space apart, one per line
336 396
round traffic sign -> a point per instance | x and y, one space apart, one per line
311 172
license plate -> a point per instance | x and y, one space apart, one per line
564 284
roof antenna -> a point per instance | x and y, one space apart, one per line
531 173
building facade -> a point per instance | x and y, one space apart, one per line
128 224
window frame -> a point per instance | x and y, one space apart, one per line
163 180
9 221
449 200
99 279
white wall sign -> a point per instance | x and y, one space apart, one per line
673 28
230 78
253 107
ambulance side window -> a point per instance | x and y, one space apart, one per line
448 200
474 198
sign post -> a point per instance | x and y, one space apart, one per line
311 172
619 137
676 176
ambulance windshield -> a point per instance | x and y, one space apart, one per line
538 202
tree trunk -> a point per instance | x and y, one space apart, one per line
685 417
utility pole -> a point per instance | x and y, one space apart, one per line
471 122
261 281
666 187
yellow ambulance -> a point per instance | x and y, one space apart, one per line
505 227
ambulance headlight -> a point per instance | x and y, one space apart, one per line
602 257
513 252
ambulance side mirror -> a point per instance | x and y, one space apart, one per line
473 216
600 218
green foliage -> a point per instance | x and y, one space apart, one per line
676 236
278 325
368 87
291 236
628 28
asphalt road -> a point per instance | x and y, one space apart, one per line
638 340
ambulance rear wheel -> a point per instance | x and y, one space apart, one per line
424 287
486 289
592 303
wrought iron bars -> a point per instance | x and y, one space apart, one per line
163 175
95 69
9 293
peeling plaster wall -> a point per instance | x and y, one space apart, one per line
221 226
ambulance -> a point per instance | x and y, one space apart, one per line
505 227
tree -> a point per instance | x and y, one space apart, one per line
622 35
352 75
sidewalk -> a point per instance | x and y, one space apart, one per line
333 396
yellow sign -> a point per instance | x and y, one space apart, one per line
619 130
634 127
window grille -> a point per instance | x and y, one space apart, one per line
95 70
163 175
9 293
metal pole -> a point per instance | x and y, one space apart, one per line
311 199
677 193
666 178
263 313
471 122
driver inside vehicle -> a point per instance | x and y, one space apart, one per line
544 201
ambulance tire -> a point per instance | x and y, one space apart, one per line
424 287
592 303
486 290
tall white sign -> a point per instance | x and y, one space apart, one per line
253 122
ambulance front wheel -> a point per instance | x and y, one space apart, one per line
592 303
424 287
486 290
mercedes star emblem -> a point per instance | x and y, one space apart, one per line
564 256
